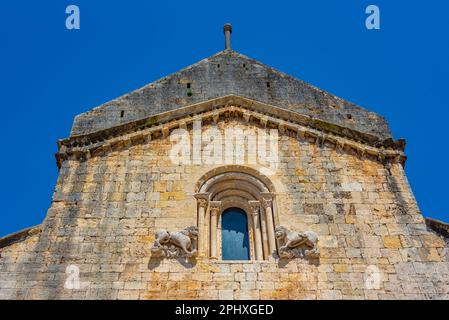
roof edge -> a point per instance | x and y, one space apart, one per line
19 236
439 227
125 95
194 108
119 99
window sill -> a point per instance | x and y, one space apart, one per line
241 261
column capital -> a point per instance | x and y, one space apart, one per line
215 207
266 199
269 195
254 205
202 199
267 202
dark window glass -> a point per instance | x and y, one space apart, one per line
234 235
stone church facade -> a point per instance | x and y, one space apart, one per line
145 182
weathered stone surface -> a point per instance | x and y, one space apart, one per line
118 187
438 226
230 73
110 239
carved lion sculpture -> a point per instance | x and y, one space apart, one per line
297 244
175 244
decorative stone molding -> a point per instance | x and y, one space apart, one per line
175 244
254 205
20 236
97 143
246 116
440 227
219 184
202 203
215 207
202 199
266 201
297 244
166 131
215 117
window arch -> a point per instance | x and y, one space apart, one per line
238 188
234 235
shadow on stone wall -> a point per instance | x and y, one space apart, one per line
282 263
187 263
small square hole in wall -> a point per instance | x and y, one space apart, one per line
349 116
268 85
122 114
188 86
218 66
244 65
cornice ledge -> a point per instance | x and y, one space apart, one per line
85 146
19 236
440 227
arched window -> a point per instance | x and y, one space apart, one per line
234 235
236 214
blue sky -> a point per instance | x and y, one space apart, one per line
49 74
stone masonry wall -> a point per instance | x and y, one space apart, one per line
105 212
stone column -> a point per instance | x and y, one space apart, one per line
227 30
202 200
263 225
255 205
267 202
215 207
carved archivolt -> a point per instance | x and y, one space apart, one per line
223 190
176 244
240 187
297 244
